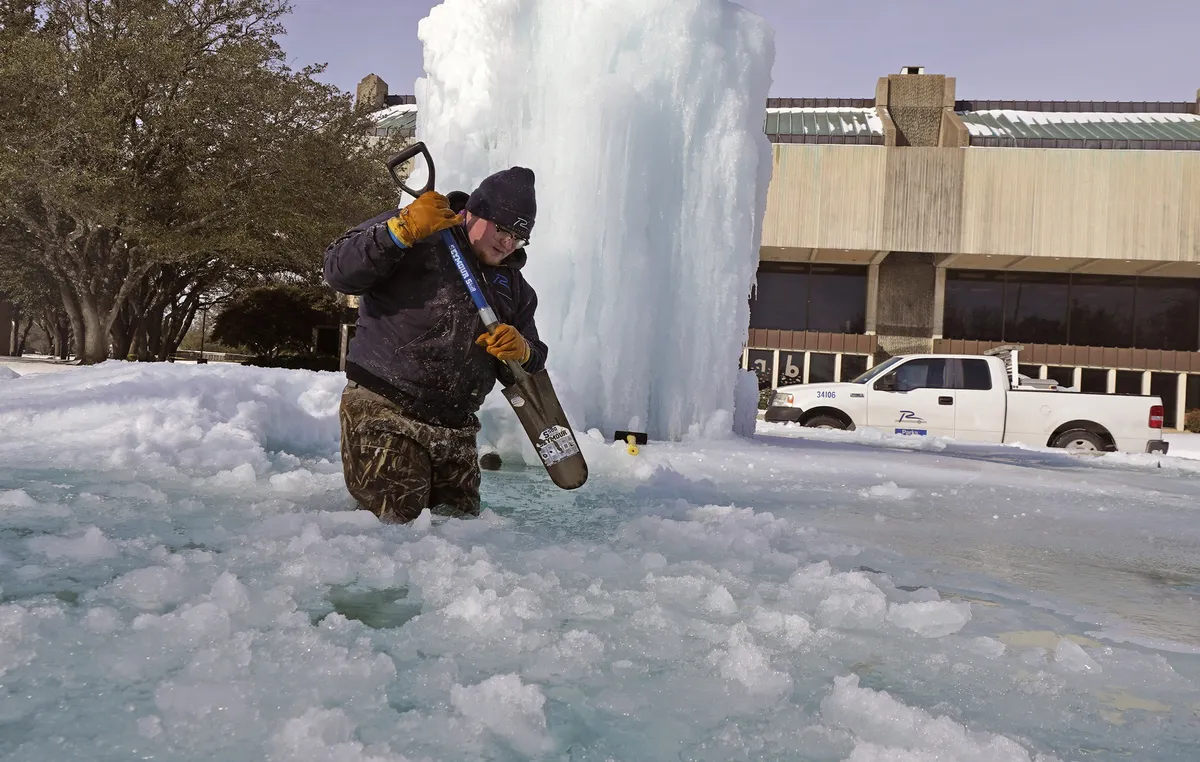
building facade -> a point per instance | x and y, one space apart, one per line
915 222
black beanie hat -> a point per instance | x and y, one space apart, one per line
507 199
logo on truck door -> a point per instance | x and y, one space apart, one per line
908 416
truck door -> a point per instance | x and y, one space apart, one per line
914 399
979 404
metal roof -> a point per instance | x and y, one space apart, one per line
829 124
1081 129
396 120
1008 124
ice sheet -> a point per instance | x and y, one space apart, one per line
731 600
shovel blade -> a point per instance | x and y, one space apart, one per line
537 407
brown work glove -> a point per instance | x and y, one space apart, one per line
423 217
505 344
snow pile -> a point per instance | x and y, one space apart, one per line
643 123
885 729
226 424
7 373
889 491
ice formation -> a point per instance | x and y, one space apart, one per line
643 122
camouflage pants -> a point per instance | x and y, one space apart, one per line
396 467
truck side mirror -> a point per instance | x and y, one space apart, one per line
887 383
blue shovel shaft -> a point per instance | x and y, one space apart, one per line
490 322
485 311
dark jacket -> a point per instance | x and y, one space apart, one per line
414 341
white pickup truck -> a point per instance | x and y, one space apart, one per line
974 398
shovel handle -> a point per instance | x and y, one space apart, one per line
394 163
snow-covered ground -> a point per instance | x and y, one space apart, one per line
32 364
1184 444
182 576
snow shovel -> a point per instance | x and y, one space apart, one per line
531 395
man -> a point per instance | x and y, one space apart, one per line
421 363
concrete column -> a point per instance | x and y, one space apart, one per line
1111 386
872 298
807 363
873 292
1146 382
1077 378
837 367
1044 372
939 301
904 319
1181 401
774 368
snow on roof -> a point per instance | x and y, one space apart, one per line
402 117
402 108
1093 125
988 126
827 120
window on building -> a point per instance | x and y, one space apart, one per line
1064 376
1079 309
837 301
1167 314
854 366
1102 311
1094 381
976 375
803 297
1129 382
780 299
1035 308
820 368
974 305
761 361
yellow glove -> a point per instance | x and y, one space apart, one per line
505 344
423 217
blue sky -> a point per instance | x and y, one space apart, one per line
1019 49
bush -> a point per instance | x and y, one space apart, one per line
276 319
764 398
1191 421
295 362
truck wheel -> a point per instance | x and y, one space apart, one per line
1079 440
824 422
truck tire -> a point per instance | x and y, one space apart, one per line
824 422
1080 440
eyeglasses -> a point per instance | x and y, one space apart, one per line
504 234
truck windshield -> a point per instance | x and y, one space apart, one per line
877 370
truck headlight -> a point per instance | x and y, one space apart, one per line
783 398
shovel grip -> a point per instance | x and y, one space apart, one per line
394 163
